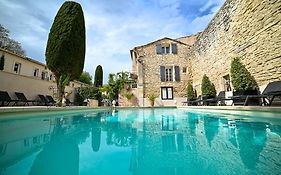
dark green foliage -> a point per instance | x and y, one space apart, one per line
2 62
85 77
116 83
190 92
207 88
241 78
87 93
65 52
98 76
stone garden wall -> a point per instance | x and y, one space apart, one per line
249 29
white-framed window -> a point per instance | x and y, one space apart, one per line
17 67
44 75
51 77
167 93
36 72
169 73
166 48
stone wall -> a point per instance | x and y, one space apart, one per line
249 29
149 70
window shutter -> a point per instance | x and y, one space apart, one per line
162 73
158 49
177 73
174 48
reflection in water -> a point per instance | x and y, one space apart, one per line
157 141
251 139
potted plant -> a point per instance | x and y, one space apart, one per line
128 95
152 98
242 81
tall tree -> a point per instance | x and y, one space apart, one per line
85 77
65 52
7 43
98 76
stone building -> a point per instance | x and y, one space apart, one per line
162 68
250 30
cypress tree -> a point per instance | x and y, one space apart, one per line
207 88
65 52
190 92
241 78
98 76
2 62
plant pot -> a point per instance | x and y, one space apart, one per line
152 103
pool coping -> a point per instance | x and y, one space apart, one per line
276 111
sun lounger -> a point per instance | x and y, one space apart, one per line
5 97
50 99
44 100
23 99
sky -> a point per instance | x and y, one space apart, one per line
113 27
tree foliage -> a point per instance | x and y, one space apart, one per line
241 78
116 83
98 76
9 44
2 62
207 88
190 92
65 52
85 77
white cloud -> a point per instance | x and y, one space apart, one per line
113 27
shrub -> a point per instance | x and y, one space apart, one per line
129 95
190 92
208 89
241 78
152 97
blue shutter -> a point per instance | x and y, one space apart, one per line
177 73
174 48
162 73
158 49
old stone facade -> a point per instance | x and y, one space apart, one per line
163 68
248 29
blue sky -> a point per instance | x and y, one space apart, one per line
113 27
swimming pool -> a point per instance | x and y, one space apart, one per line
139 141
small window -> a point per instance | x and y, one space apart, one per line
134 85
36 72
166 50
167 93
184 70
51 77
17 68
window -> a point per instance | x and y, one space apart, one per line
184 70
36 72
227 85
134 85
44 75
167 93
168 73
166 48
17 68
51 77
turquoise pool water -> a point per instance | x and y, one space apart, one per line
139 141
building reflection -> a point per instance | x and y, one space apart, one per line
181 142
